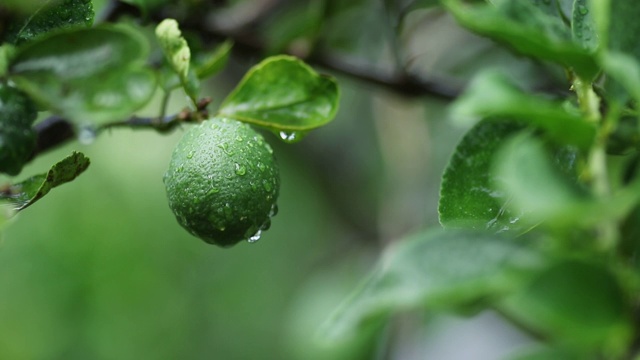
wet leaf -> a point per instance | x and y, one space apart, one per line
49 16
527 30
468 195
86 75
284 94
27 192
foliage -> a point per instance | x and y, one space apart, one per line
539 204
534 173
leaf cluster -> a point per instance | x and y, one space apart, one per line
539 203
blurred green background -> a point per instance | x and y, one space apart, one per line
100 269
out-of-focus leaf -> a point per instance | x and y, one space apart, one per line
546 353
146 5
49 16
211 64
6 53
527 30
27 192
109 98
435 269
284 95
178 55
295 29
624 73
525 172
468 196
492 94
583 26
17 138
80 53
578 304
86 75
618 25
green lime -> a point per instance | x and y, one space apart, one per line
223 182
17 137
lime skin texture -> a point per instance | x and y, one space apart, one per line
223 182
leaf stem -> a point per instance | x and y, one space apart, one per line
597 162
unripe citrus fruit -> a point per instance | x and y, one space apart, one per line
223 182
17 137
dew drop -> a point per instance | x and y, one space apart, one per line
255 236
274 210
288 136
228 211
190 155
262 167
240 169
266 185
87 135
583 10
213 190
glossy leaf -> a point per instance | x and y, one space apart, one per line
27 192
282 93
579 304
492 94
527 30
17 138
80 53
178 55
435 269
49 16
468 195
86 75
211 64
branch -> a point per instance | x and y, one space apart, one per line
55 130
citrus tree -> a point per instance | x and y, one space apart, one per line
537 208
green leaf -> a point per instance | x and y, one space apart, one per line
146 5
177 52
546 353
624 76
6 53
435 269
27 192
583 26
536 187
49 16
285 95
468 196
102 98
527 30
211 64
17 138
86 75
577 304
492 94
80 53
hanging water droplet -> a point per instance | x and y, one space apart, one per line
240 169
266 225
274 210
255 237
288 136
87 135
